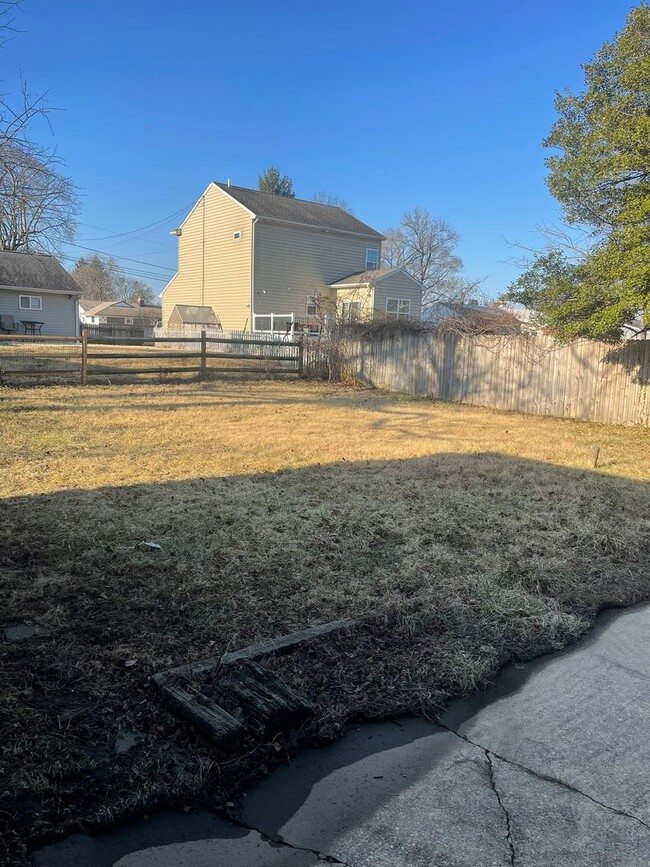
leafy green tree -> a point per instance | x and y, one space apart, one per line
601 178
271 181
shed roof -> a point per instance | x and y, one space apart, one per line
195 315
35 271
299 211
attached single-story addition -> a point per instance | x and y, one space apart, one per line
37 296
384 292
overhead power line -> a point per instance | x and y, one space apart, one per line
130 272
134 231
125 258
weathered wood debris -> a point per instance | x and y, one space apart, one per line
244 700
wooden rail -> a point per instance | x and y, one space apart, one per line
89 362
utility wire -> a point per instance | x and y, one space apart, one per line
126 258
133 231
131 272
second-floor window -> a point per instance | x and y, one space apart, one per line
312 307
372 259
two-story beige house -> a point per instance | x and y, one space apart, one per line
262 261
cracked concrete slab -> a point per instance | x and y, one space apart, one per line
552 825
251 850
427 802
168 839
582 716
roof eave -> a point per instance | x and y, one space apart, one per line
41 291
365 284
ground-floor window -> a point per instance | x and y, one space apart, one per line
30 302
351 311
398 307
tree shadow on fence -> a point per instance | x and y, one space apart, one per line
634 358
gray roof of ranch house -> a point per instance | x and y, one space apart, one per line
35 271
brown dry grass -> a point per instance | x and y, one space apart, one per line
480 535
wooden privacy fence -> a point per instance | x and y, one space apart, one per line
585 380
82 357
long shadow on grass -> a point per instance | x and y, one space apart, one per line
475 560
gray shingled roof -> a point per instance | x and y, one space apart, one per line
299 211
364 277
35 271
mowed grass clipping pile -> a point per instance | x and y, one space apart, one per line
478 536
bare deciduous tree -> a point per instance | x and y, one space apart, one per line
324 198
98 276
139 292
102 279
38 204
425 246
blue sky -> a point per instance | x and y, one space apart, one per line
389 105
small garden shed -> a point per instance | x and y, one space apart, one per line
189 317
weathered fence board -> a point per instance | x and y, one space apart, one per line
583 379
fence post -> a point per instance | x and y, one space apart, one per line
301 354
84 356
202 372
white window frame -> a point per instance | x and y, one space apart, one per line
399 314
311 303
372 266
30 305
236 236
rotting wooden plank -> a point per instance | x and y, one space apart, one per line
272 645
210 719
269 705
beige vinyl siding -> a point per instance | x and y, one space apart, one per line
59 313
213 269
363 294
294 263
398 286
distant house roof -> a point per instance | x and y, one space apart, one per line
189 314
299 211
119 309
369 278
35 271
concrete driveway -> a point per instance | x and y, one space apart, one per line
551 767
